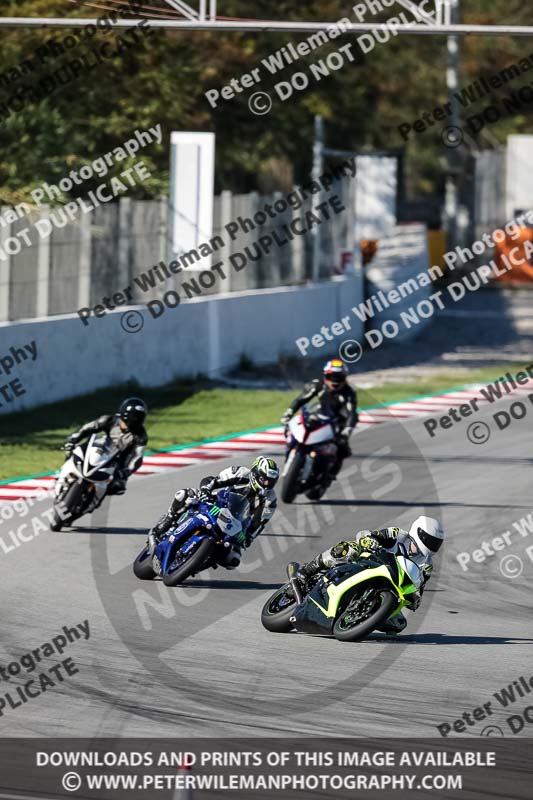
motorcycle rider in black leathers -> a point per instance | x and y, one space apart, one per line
423 539
126 431
337 399
256 484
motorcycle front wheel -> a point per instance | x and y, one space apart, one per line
142 566
192 564
360 618
278 610
289 487
70 501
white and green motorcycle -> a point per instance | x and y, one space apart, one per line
349 601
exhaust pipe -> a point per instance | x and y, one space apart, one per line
292 569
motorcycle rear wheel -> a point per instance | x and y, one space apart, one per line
274 618
191 566
289 487
347 629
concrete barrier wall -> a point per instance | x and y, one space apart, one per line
204 335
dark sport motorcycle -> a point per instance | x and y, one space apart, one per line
200 540
349 601
311 454
86 474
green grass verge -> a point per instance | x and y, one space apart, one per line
180 413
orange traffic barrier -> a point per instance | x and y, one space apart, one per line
369 248
514 251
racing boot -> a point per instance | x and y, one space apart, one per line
181 501
394 625
308 571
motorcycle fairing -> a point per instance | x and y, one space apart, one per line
166 549
93 459
319 610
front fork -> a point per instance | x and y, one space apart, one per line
307 468
62 481
67 476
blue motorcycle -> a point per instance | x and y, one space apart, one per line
200 540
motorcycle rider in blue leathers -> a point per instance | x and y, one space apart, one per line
256 484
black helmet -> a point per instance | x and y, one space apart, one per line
133 411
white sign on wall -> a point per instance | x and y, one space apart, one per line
192 177
519 178
375 196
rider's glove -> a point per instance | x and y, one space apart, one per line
193 498
207 484
368 543
239 540
286 417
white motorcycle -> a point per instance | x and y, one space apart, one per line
311 454
83 479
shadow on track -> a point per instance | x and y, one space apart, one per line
444 459
291 535
144 532
127 531
443 638
410 504
221 584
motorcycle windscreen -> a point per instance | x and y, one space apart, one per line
230 518
318 425
412 576
98 457
316 415
238 505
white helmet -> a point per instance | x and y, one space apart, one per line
428 534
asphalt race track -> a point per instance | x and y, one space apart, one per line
196 661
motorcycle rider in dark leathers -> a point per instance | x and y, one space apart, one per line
256 484
421 542
126 431
336 399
